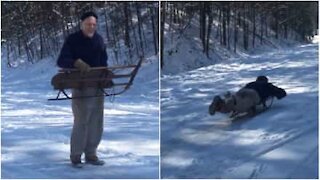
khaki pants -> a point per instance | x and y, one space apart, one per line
88 121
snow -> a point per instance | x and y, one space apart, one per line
279 143
36 132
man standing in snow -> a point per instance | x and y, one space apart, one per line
82 50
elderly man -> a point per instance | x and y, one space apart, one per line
82 50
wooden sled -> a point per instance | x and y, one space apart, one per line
99 77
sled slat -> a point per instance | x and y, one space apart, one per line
120 76
120 84
85 76
88 79
97 68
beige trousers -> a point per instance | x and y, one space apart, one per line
88 121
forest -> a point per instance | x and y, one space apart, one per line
36 30
244 24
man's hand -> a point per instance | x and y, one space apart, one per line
82 66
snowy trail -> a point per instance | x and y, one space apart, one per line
279 143
36 132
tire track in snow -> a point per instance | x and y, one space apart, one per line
287 140
260 167
308 158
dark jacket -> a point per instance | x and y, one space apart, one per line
266 90
90 50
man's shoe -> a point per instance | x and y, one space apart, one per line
76 161
94 160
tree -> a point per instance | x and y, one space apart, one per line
162 21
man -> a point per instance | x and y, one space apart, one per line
265 89
82 50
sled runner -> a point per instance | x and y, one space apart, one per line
232 123
247 116
99 77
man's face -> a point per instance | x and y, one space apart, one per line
89 26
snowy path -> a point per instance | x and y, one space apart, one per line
36 132
280 143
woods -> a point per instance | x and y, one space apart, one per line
243 24
37 30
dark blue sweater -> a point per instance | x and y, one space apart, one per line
266 90
90 50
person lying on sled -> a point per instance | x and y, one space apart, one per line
247 98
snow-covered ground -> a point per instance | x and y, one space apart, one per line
36 132
279 143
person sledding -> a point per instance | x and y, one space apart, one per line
247 98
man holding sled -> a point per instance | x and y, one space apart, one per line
82 50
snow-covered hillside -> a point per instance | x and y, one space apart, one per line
279 143
36 132
183 49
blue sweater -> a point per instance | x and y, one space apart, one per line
90 50
266 90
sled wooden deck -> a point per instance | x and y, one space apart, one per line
98 77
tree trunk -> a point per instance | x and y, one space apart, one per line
286 31
8 54
254 26
134 35
155 42
236 21
261 28
140 29
203 25
163 18
224 28
106 21
41 43
276 24
126 25
245 29
27 51
220 26
19 45
209 33
228 26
